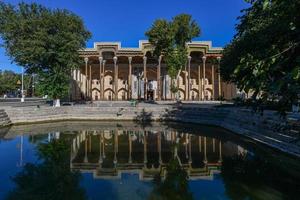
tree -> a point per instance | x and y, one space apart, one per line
9 82
260 175
174 186
169 39
50 178
45 42
264 55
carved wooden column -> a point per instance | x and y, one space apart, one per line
204 84
103 78
86 60
219 76
220 152
100 76
159 148
145 149
190 149
115 147
186 83
205 155
129 95
200 143
90 83
100 161
189 77
115 78
145 77
199 83
130 148
158 79
213 81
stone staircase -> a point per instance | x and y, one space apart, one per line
16 102
4 119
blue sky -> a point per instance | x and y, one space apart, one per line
127 20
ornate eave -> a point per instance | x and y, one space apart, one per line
144 46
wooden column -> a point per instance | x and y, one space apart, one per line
145 77
86 150
220 152
130 148
115 147
205 155
129 95
158 79
204 84
103 78
200 143
100 76
86 60
159 148
199 83
90 83
145 148
190 149
186 83
115 78
219 77
189 77
100 161
213 81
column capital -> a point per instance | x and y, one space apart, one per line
219 58
86 59
129 59
204 58
100 59
104 61
189 58
115 59
145 58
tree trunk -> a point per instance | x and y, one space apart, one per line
56 103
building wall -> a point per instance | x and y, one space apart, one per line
93 85
108 61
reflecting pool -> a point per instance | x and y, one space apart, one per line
127 160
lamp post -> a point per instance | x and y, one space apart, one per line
33 85
22 91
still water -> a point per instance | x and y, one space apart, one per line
117 160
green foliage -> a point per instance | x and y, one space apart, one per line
9 82
161 36
175 186
44 41
260 176
49 179
175 59
169 39
185 29
173 88
264 56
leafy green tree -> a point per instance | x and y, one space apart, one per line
260 176
10 82
169 39
174 186
45 42
49 179
264 55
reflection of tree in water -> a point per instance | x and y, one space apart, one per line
144 119
175 185
256 177
49 179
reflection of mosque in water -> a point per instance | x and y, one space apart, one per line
108 154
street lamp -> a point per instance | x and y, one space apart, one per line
22 91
